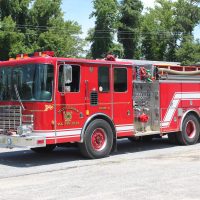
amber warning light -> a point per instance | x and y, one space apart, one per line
44 54
35 54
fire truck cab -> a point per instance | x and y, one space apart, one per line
47 101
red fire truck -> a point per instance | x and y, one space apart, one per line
46 101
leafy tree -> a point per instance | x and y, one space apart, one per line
157 31
17 9
36 25
128 31
165 27
106 13
187 15
42 11
62 37
117 50
10 40
189 51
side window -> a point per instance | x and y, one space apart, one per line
74 86
103 79
120 79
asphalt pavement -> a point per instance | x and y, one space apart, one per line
139 171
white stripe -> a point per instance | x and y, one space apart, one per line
188 95
125 128
171 110
178 96
123 125
60 133
72 132
76 132
63 137
59 130
164 124
126 131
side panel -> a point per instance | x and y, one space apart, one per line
43 119
176 99
191 95
169 106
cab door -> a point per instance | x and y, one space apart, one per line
122 100
70 104
98 89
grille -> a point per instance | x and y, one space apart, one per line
94 98
10 117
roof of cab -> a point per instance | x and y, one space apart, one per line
50 60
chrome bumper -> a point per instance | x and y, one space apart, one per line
22 142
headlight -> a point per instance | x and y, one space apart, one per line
25 129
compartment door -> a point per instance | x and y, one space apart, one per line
122 101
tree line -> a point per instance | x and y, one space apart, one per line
122 27
37 25
164 32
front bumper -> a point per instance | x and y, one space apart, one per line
22 142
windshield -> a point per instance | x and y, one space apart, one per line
34 82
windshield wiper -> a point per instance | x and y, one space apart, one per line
18 96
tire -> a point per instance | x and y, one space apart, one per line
47 149
172 137
97 140
190 131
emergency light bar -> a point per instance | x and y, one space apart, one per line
35 54
44 53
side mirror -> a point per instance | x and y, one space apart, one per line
67 77
67 73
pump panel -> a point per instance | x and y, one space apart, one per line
146 106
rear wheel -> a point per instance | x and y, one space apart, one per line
98 140
190 130
47 149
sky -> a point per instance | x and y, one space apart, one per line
80 10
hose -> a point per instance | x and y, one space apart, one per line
170 71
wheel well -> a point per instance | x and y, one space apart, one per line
192 112
195 114
107 120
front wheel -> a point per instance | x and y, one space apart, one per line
98 140
190 130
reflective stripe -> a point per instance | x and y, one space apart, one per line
72 132
69 132
125 127
178 96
